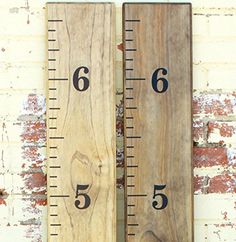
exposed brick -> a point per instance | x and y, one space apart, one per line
35 182
3 196
199 183
120 47
34 131
199 131
225 129
221 132
222 183
34 105
225 183
207 157
214 104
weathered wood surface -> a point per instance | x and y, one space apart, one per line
81 124
22 31
158 124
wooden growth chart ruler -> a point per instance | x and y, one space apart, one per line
81 123
158 142
157 71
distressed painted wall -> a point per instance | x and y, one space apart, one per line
214 113
22 119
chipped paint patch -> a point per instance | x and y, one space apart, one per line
33 138
214 104
120 47
208 157
222 184
3 196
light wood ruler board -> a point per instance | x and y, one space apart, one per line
81 123
158 139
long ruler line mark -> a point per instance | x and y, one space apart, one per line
132 166
132 20
58 79
136 195
133 137
53 49
135 79
56 137
55 20
130 49
59 195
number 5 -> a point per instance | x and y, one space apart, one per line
87 199
163 197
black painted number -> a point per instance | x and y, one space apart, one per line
81 83
156 80
163 197
85 197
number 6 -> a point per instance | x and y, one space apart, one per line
155 80
77 78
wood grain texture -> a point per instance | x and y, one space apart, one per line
81 124
158 126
